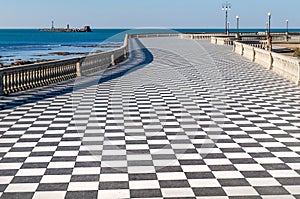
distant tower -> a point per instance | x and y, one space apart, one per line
68 26
52 27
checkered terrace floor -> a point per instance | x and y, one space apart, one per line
179 119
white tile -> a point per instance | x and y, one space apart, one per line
294 190
113 177
257 182
16 154
57 165
103 194
9 166
171 176
268 160
86 170
65 153
283 173
227 174
29 187
217 162
195 168
141 169
144 184
237 155
279 197
83 186
5 179
56 179
240 191
249 167
38 159
177 192
31 172
204 183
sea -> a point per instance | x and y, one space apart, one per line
34 45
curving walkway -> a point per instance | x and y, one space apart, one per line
180 118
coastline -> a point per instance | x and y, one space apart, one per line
31 45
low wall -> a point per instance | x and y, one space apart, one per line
286 67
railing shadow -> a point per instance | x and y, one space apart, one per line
139 57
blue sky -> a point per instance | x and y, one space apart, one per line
146 13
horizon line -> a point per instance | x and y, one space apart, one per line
1 28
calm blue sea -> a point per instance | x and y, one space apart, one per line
32 44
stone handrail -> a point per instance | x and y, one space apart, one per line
286 67
19 78
200 36
154 35
255 43
226 41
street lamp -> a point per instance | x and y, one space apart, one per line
237 27
237 24
226 7
269 38
269 22
287 30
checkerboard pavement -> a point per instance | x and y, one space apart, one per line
195 121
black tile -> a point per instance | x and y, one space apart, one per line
145 193
174 183
140 163
113 170
243 161
199 175
8 172
3 187
276 167
233 182
271 191
289 181
35 165
168 169
113 185
256 174
211 191
81 195
59 171
53 187
85 178
17 195
88 164
26 179
142 176
222 168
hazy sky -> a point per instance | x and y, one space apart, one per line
146 13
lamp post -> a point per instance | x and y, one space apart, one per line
287 30
269 22
269 37
226 7
237 27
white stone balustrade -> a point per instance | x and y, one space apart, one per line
284 66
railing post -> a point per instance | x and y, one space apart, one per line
298 80
78 68
253 54
113 59
1 84
271 61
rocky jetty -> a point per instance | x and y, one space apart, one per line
68 29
